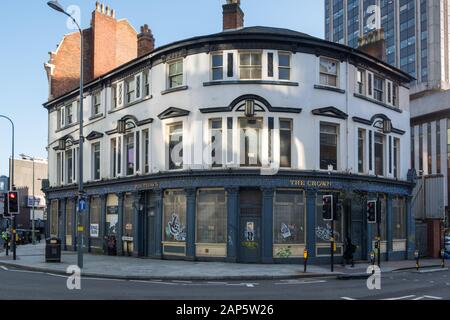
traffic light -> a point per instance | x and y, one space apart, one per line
372 211
13 202
328 208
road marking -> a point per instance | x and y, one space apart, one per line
4 268
56 275
249 285
181 281
347 298
433 297
212 282
104 279
154 282
400 298
433 270
299 282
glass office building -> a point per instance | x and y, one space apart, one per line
405 24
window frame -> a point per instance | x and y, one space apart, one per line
94 110
251 66
94 153
168 127
289 67
327 74
173 76
337 126
291 130
220 67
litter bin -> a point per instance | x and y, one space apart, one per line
53 250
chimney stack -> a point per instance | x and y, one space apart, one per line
233 16
146 41
374 43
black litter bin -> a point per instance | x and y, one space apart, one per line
53 250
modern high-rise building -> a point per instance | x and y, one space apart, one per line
406 24
417 38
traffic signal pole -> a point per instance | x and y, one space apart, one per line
332 245
378 216
12 187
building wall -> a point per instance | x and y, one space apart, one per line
305 72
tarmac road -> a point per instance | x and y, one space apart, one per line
434 284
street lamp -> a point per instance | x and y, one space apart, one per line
57 7
11 179
25 157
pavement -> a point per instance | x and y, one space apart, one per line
32 258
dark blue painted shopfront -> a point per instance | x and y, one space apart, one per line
136 216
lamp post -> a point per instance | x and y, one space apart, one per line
11 181
80 208
25 157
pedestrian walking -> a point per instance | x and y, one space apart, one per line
349 251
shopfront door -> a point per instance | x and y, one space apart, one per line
250 226
356 230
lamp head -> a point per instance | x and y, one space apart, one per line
56 6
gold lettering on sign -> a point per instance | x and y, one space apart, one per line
311 183
147 185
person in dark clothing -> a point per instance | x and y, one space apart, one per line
350 249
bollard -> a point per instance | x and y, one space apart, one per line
443 258
416 255
305 259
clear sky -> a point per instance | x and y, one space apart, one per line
29 30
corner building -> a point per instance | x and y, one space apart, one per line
220 148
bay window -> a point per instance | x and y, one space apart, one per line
329 146
175 147
329 70
175 74
250 65
211 216
130 153
289 217
250 141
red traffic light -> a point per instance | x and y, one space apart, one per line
12 195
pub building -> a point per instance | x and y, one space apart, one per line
220 148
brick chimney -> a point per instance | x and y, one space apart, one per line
374 43
146 41
108 43
233 16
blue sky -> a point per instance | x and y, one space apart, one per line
29 30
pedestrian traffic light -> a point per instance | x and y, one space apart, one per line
371 211
13 202
328 208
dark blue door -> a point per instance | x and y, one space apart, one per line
250 226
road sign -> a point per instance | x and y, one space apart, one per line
82 205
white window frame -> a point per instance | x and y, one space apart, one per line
146 89
167 126
169 76
363 81
289 68
338 147
93 113
93 145
250 66
337 75
370 83
217 67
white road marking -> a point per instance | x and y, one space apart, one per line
400 298
212 282
104 279
299 282
154 282
249 285
56 275
433 270
181 281
433 297
347 298
4 268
